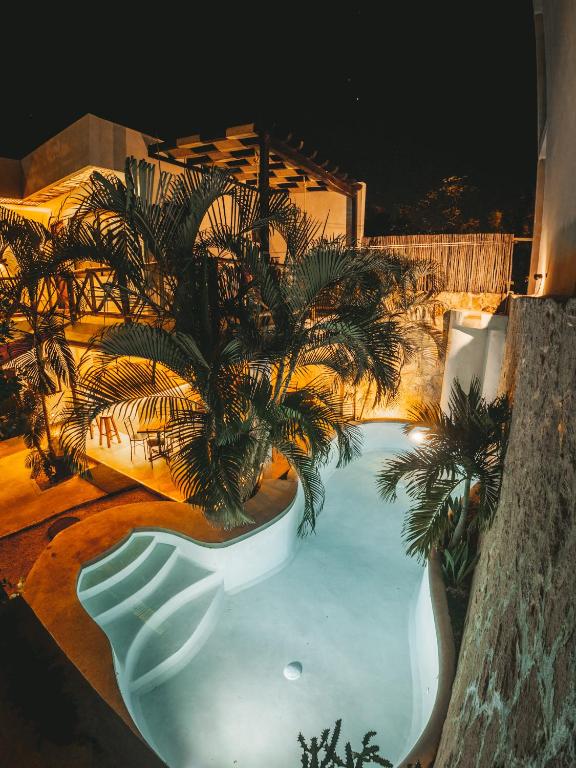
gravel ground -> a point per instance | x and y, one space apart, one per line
19 551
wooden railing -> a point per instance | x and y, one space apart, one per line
478 263
90 291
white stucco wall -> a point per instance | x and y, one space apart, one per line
328 208
475 349
554 248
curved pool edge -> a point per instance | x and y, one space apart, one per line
60 563
229 556
57 622
424 750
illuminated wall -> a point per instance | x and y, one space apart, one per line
553 264
48 177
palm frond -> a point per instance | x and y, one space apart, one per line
463 445
428 520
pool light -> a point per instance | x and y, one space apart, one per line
418 435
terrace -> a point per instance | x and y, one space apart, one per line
137 402
268 481
180 404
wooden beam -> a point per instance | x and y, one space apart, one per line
165 158
264 188
301 161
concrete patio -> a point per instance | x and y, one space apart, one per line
153 475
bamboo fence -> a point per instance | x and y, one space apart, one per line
476 263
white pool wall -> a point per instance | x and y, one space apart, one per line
424 661
256 556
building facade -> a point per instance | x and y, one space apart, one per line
553 262
42 184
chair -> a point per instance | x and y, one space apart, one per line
135 439
107 428
156 447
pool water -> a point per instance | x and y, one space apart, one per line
202 667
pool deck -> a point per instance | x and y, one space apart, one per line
51 585
51 591
153 475
22 503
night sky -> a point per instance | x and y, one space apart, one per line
399 95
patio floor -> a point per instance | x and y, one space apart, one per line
155 476
22 503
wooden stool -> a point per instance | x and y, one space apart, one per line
107 426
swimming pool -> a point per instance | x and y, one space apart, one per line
201 636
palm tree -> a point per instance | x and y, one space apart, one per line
43 360
239 359
461 447
155 229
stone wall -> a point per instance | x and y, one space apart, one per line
422 377
514 698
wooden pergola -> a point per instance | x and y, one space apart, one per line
257 157
253 154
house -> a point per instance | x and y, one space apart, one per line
43 183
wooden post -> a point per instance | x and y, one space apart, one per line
94 308
264 188
71 298
351 220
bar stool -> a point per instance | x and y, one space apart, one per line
107 426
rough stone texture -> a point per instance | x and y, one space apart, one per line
422 377
486 302
514 698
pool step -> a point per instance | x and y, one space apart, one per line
156 606
174 635
124 621
115 566
132 583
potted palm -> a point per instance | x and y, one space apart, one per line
237 358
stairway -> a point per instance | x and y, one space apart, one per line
156 606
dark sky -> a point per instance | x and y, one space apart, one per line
397 94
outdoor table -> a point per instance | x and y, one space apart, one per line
155 427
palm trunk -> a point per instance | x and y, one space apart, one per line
255 468
49 437
462 520
124 297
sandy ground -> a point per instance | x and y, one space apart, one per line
19 551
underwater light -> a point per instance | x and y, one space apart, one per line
418 435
